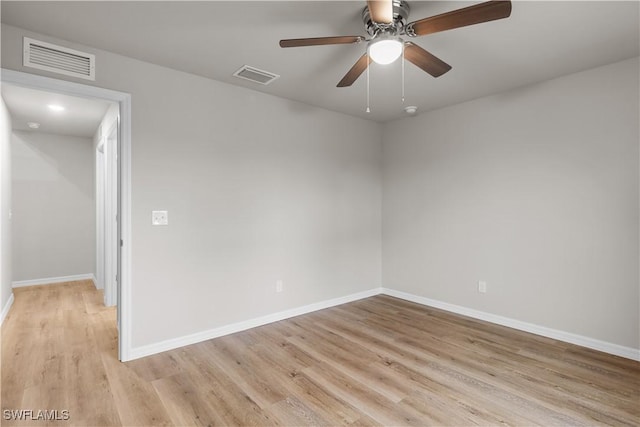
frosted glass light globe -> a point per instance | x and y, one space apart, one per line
385 51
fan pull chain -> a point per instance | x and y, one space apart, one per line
403 73
368 110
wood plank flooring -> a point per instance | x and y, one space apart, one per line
378 361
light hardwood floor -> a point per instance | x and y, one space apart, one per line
378 361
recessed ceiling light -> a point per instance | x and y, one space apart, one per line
33 125
55 107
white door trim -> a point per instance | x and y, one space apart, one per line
124 100
99 176
110 199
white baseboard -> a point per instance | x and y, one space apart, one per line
607 347
53 280
6 308
97 284
147 350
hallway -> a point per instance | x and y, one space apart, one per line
57 343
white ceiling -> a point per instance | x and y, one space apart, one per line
540 40
81 116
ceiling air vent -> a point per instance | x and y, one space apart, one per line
58 59
255 75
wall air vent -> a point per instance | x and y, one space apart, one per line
58 59
255 75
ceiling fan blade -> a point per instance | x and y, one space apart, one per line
381 11
316 41
483 12
423 59
355 71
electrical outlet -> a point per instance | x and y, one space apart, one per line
279 286
159 217
482 287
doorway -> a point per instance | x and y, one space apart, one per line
115 272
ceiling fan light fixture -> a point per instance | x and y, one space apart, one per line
385 50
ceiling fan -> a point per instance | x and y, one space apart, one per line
386 21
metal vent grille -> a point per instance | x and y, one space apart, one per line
255 75
58 59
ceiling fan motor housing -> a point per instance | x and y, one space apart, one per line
400 16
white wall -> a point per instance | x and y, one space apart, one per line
534 190
258 189
53 206
5 207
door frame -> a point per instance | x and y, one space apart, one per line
123 99
110 215
99 174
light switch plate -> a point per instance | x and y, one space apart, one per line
482 287
160 217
